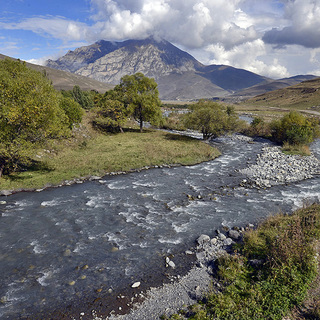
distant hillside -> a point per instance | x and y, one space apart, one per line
270 85
305 95
179 75
66 80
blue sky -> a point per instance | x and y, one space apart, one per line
275 38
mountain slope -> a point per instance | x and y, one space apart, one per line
271 85
178 74
66 80
305 95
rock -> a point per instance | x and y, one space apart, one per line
201 256
222 237
3 202
188 252
214 241
172 264
234 234
203 239
227 242
5 193
94 178
136 284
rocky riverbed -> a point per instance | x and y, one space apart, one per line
187 290
273 167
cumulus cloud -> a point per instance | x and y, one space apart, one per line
303 25
248 56
192 23
241 33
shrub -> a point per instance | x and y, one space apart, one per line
287 265
72 109
211 119
295 129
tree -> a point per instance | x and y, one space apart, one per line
84 98
72 110
141 96
112 115
29 113
295 129
210 119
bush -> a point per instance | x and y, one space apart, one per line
283 245
258 127
72 109
211 119
111 116
295 129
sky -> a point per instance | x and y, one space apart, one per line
273 38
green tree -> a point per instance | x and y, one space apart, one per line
210 118
72 110
295 128
29 114
85 99
141 96
112 115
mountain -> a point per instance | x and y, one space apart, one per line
179 75
304 95
67 80
267 86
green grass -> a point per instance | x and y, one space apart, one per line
285 245
107 153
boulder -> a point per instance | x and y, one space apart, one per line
234 234
203 239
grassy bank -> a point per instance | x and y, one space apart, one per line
269 273
107 153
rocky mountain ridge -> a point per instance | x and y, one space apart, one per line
179 75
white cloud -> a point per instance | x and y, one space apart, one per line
9 48
248 56
192 23
303 25
57 27
233 32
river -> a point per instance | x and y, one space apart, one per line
66 244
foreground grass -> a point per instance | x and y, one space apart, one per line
269 273
107 153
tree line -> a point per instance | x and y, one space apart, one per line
33 114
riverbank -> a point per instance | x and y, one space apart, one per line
186 290
202 280
75 161
273 167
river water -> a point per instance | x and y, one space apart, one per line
64 243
